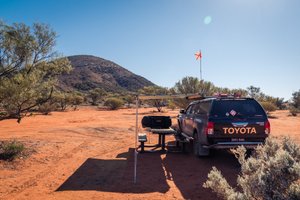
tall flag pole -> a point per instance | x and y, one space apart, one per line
198 55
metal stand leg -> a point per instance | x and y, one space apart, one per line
163 145
159 140
142 147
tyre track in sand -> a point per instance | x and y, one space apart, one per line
33 180
56 165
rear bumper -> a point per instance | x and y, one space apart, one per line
230 145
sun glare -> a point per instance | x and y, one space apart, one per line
207 20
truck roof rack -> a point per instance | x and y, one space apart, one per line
216 96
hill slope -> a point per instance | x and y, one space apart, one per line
91 72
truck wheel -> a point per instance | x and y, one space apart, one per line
198 149
196 144
179 130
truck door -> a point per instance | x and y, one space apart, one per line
189 120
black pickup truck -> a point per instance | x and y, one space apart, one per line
224 123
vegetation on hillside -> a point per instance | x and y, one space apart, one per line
91 72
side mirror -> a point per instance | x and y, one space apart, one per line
182 111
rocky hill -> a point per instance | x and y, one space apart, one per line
91 72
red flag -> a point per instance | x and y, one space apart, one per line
198 55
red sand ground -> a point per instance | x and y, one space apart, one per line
88 154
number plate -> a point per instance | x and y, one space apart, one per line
237 140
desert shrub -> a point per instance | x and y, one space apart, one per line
61 100
2 114
296 99
76 99
171 105
46 108
272 172
268 106
280 103
11 149
155 91
113 103
294 111
129 99
96 95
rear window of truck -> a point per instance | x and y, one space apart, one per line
243 108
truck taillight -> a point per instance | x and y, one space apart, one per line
267 127
210 128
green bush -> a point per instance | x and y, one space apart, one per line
46 108
272 172
296 99
76 99
113 103
171 105
96 95
294 111
9 150
268 106
2 114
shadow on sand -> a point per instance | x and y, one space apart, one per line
154 169
116 175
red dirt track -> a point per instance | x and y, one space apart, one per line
89 154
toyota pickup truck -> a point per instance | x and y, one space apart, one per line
224 123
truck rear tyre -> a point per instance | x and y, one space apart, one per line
198 149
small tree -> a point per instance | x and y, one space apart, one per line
61 100
191 85
241 92
273 172
76 99
187 85
296 99
128 99
47 107
171 105
268 106
155 90
96 95
23 92
293 111
254 92
294 106
206 88
28 67
113 103
280 103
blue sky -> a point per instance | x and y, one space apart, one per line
243 42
